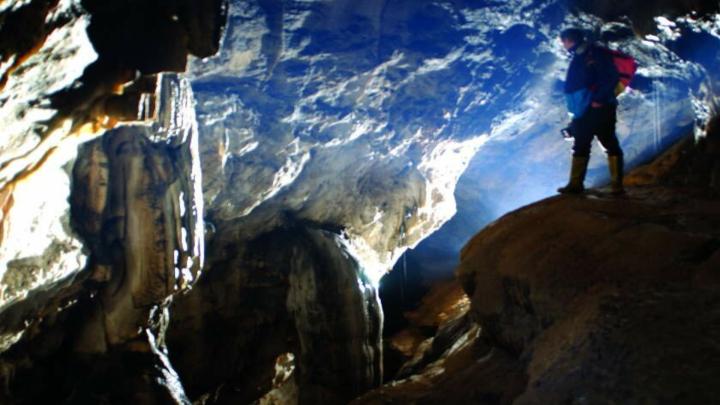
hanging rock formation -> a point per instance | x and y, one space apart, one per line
136 204
61 87
96 237
294 290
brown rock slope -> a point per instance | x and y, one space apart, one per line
607 300
592 299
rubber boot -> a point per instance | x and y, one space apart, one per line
577 176
615 163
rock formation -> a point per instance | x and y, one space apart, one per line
330 137
98 236
326 116
589 299
294 290
136 204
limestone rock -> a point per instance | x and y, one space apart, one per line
360 120
294 290
58 89
587 299
462 367
595 292
137 206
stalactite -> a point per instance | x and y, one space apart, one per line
136 206
136 203
338 320
294 290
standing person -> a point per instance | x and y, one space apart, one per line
590 87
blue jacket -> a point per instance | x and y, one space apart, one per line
591 77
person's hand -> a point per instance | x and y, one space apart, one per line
595 104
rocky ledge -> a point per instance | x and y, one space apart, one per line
590 299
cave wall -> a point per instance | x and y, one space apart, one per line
48 109
673 95
331 137
366 117
643 16
137 207
359 120
100 226
576 299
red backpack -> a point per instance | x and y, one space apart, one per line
626 66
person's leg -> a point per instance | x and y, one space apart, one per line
582 135
582 130
608 139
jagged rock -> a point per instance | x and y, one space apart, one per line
361 119
155 36
598 334
135 206
33 153
690 163
69 70
442 311
525 160
464 369
359 124
643 15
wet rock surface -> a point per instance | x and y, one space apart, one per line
457 365
333 136
409 345
137 205
58 90
294 290
95 239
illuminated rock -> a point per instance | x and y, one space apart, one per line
85 279
58 89
361 120
587 298
332 137
37 246
137 205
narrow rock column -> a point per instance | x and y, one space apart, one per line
290 301
338 320
137 203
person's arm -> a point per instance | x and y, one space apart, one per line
606 78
